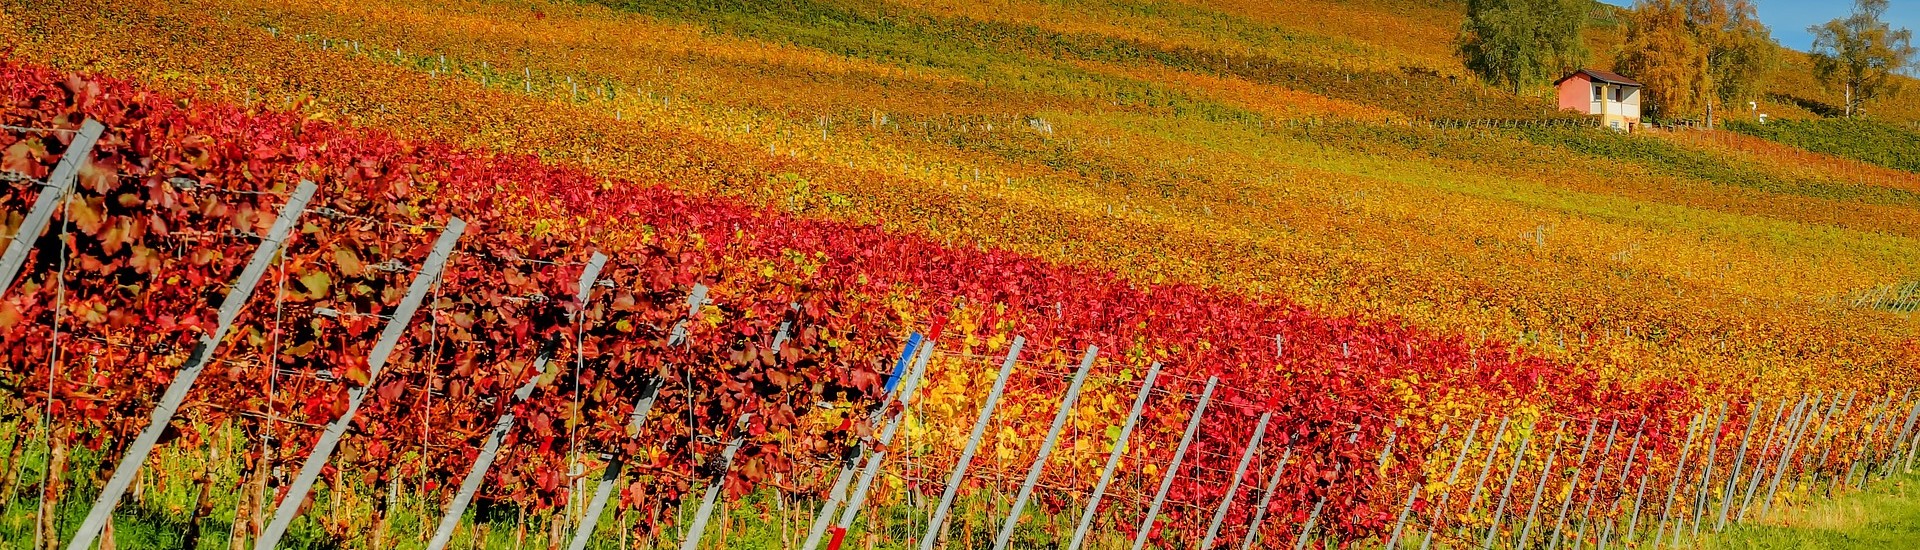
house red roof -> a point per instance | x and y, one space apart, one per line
1601 76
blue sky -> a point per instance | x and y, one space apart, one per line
1790 18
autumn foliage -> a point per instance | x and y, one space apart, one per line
166 210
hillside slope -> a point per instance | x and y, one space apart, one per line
1274 151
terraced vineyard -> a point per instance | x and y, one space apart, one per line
911 274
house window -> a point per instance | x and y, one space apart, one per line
1597 94
1619 94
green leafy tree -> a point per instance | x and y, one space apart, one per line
1518 43
1741 53
1862 55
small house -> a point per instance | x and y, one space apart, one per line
1613 98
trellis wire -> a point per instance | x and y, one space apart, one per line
33 129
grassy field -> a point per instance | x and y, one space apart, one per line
158 515
1886 515
159 511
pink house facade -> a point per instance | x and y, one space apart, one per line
1613 98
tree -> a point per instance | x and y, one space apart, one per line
1695 55
1516 43
1741 53
1662 52
1861 54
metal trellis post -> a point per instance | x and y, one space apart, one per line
1513 473
1393 540
1106 473
1760 463
1173 469
1593 489
1694 427
936 525
1459 461
714 491
858 497
501 426
1625 470
1239 474
838 492
1046 448
1739 461
183 381
1799 430
1313 517
58 183
376 360
649 394
1260 510
1540 486
1573 484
